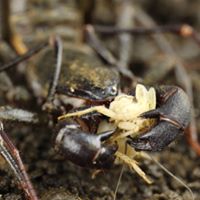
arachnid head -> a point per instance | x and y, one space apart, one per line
85 149
82 75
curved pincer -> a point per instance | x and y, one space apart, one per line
85 149
173 114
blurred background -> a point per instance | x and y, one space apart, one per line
152 59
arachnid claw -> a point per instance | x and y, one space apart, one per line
173 114
106 135
150 114
157 138
85 149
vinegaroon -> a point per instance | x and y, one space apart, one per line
145 119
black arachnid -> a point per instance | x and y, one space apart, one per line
97 135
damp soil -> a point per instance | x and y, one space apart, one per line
55 178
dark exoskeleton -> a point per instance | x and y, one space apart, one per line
83 148
173 114
72 80
77 138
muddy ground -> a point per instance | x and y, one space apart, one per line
55 178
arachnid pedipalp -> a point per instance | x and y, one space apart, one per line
150 120
124 115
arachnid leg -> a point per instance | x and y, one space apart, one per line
58 46
23 57
11 155
85 149
173 114
103 52
133 165
15 114
101 109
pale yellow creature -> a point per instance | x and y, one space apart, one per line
123 113
124 110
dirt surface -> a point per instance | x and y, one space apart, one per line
55 178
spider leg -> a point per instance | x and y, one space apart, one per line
11 155
125 134
101 109
133 165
